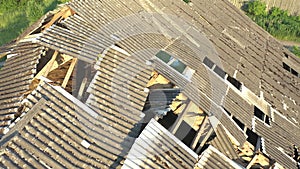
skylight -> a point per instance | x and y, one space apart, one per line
176 64
164 56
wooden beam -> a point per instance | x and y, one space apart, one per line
252 161
179 119
29 38
81 89
3 54
54 65
32 86
203 141
152 79
69 73
62 14
199 133
46 69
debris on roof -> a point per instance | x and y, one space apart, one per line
160 84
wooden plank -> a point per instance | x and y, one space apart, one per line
3 54
199 133
69 73
62 14
252 161
178 121
204 140
46 69
82 87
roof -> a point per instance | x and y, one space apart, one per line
223 143
274 137
59 134
16 76
212 158
156 147
237 68
120 77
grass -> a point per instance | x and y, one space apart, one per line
17 15
296 50
276 21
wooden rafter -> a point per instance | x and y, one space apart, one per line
82 87
2 55
62 14
153 78
199 133
46 69
53 64
253 161
203 141
69 72
179 120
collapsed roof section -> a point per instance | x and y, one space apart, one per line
16 76
156 147
212 158
59 131
215 56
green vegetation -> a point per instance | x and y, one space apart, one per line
17 15
276 21
296 50
187 1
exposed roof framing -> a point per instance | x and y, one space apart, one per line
237 69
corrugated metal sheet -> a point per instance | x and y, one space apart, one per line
61 132
212 158
276 152
277 145
232 128
117 92
156 147
240 45
238 107
16 76
223 143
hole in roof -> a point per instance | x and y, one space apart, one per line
84 74
268 120
227 111
175 64
258 113
220 72
252 137
294 72
286 67
44 60
238 122
172 109
208 62
185 133
234 82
